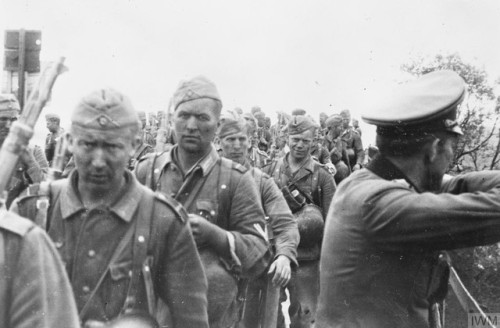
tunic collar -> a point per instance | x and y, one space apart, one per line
385 169
124 208
205 164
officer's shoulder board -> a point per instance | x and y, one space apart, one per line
13 223
179 210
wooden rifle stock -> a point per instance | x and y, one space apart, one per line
21 131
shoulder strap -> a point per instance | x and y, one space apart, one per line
223 190
316 189
150 173
140 248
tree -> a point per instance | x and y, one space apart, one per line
479 148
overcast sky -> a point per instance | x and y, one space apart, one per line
280 55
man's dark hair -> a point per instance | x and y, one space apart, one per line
407 145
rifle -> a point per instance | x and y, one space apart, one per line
21 131
271 295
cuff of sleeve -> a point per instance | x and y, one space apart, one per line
234 265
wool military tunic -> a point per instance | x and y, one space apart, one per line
34 289
382 239
87 239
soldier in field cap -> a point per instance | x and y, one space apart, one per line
55 132
222 200
32 166
381 264
336 147
308 188
126 249
234 134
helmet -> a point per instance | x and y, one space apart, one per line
311 225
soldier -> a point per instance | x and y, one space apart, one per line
233 134
380 262
141 150
355 126
336 147
353 142
321 154
126 249
146 136
257 157
322 120
34 288
263 133
56 131
225 214
32 166
308 188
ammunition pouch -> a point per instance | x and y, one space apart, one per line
294 198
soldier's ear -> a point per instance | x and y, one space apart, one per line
70 140
432 150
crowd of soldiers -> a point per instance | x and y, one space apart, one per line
200 217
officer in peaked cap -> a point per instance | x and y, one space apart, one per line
308 188
104 199
381 263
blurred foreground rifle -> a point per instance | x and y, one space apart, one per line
21 131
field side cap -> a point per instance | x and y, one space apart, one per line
104 109
299 124
196 88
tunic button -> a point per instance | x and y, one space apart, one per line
141 239
58 244
91 253
86 289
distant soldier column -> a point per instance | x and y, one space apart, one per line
308 189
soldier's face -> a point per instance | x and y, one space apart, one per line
52 126
235 146
101 157
195 124
335 130
300 144
5 123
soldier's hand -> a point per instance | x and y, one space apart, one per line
205 232
356 167
282 271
